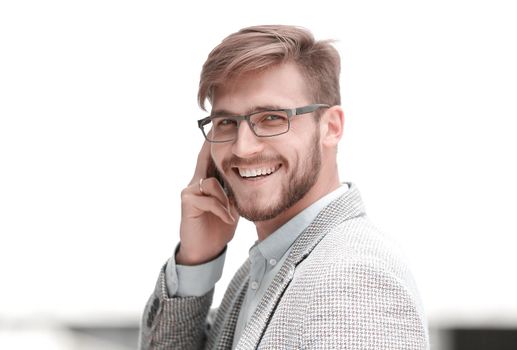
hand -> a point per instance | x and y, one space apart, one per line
208 221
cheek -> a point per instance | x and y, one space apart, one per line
218 154
214 159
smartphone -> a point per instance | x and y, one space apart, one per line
212 171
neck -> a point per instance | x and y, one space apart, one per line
319 190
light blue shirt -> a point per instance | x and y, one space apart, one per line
266 258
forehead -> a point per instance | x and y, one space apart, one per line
283 86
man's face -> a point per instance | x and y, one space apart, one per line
267 175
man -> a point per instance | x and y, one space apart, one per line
320 275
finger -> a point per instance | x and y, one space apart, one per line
212 187
203 160
204 204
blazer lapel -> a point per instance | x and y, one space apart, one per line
228 313
228 328
347 206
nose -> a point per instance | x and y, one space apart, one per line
247 143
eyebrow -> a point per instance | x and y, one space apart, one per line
254 109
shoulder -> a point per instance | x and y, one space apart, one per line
356 260
357 242
358 282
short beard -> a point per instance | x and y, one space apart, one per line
300 182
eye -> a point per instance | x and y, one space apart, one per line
273 117
225 122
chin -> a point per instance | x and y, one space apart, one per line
258 210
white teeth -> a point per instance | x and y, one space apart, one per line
255 172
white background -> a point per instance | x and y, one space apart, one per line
98 136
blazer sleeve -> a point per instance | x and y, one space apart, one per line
174 323
362 306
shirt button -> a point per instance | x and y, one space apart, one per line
272 262
254 285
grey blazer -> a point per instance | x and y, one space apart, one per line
343 286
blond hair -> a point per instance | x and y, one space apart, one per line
257 48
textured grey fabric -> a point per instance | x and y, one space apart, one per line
343 286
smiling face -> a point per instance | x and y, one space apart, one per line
269 178
270 183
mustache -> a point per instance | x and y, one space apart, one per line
236 161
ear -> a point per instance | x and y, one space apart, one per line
331 126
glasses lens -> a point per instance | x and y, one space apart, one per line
221 129
270 123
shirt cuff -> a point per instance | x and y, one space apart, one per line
193 281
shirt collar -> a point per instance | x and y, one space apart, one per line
279 242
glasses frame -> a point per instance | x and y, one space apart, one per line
291 112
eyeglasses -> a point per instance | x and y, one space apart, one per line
276 122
